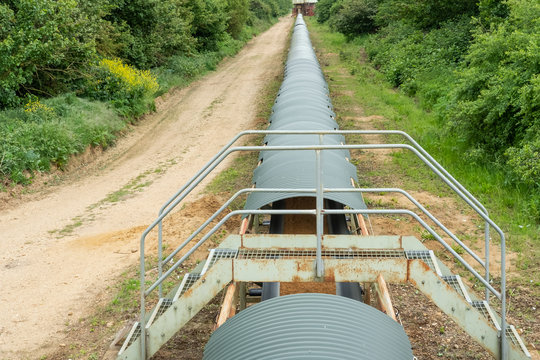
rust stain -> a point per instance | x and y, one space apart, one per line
401 241
329 276
303 266
408 270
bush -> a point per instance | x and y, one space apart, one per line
354 17
150 31
209 23
323 10
260 9
128 89
238 13
44 45
525 161
45 133
424 14
495 104
421 61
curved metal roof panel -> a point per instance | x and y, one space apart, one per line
303 104
309 326
315 111
302 99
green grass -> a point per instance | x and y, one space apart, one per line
51 133
509 206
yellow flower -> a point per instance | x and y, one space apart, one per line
133 78
34 106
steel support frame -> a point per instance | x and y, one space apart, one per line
416 149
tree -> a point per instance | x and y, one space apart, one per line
354 17
44 44
238 12
323 10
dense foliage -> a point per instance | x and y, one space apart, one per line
475 63
116 54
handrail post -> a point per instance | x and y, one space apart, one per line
504 341
142 321
319 266
160 255
486 261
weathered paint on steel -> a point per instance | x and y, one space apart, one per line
438 291
303 270
189 304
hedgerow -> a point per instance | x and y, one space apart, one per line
476 64
115 54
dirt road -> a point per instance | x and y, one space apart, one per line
54 249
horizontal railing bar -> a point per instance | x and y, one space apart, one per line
419 206
313 212
430 230
213 230
223 207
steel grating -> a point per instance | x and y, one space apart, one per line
132 336
222 254
190 280
166 304
455 282
328 254
483 307
511 333
426 256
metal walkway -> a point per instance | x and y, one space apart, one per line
406 260
323 258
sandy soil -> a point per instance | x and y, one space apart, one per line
62 246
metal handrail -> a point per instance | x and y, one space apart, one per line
416 149
202 173
313 212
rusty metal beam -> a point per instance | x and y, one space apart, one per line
303 270
189 304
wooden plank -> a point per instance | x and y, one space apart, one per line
228 303
362 223
383 297
360 217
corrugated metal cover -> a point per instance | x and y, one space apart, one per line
309 326
303 104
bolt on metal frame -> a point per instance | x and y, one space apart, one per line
319 212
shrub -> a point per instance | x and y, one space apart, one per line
323 10
150 31
495 103
354 17
45 133
209 23
128 89
525 161
237 12
417 60
424 14
44 45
